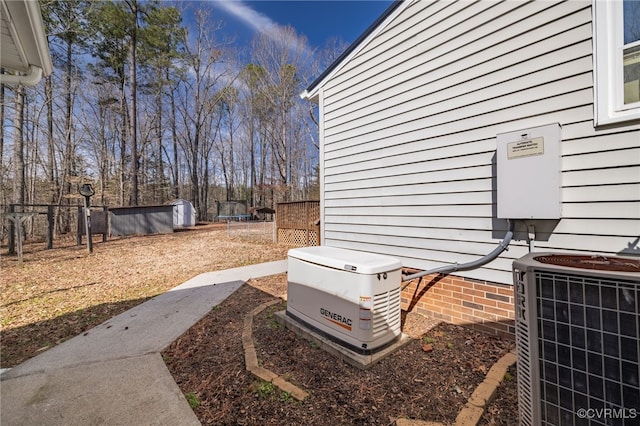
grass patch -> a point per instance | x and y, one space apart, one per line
192 399
263 388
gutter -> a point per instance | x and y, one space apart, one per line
40 36
31 78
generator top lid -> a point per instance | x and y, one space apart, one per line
349 260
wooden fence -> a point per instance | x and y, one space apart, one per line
298 223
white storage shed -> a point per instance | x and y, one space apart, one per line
184 215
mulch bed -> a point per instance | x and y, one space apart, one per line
431 378
503 410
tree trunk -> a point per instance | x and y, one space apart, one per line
51 175
133 119
123 141
18 148
159 181
2 199
174 136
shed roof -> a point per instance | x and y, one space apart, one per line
312 91
23 42
267 210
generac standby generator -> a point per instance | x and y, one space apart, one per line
350 297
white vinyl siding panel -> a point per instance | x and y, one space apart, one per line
461 61
409 129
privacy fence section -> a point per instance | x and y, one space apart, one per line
298 223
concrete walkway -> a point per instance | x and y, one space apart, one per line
114 373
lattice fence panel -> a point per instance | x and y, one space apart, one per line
298 223
298 237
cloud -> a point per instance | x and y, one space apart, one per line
263 24
250 17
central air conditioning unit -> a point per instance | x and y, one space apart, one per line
578 339
350 297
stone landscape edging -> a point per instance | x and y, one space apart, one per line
251 358
469 415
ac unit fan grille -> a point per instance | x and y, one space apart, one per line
589 346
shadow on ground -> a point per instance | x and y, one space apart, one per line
22 343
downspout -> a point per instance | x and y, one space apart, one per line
448 269
31 78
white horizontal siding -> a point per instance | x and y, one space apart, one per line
424 45
468 227
400 189
448 199
464 250
409 178
596 177
409 127
586 194
559 109
459 106
434 159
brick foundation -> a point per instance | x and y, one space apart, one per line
481 305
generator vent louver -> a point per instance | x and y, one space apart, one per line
386 311
578 337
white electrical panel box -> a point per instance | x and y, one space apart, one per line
529 173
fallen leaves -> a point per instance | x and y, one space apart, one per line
63 292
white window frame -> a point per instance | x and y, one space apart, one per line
608 42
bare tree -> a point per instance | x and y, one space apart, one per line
3 199
283 55
18 147
200 94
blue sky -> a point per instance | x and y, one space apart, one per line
319 21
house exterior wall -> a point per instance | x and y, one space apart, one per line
408 136
485 306
408 126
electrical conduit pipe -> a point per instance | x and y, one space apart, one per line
448 269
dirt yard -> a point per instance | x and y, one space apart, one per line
60 293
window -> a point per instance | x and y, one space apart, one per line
631 51
616 60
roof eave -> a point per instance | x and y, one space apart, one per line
311 93
310 96
28 35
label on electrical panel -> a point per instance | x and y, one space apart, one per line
525 148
